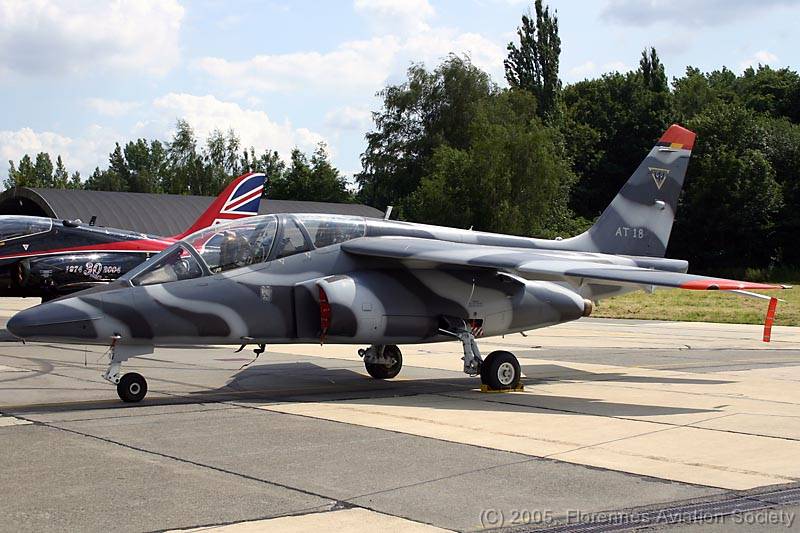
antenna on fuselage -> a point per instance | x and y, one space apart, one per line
388 212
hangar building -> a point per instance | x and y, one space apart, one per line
159 214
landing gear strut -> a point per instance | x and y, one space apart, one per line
382 361
131 387
499 371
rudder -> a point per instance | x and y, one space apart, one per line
639 219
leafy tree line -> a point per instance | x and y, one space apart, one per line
538 158
183 166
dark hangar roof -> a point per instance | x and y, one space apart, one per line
159 214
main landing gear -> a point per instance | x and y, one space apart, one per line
382 361
131 387
499 371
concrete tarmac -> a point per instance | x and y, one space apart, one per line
619 421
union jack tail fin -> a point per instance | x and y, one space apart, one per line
240 199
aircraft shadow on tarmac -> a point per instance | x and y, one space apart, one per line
309 382
305 381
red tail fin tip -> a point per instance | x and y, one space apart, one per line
678 137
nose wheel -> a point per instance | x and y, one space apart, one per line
382 362
132 387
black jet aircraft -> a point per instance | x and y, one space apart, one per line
315 279
47 258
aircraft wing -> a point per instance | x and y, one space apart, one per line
534 264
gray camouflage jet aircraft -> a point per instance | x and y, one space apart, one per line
302 278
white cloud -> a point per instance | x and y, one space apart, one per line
255 128
49 37
705 13
354 65
396 16
402 34
348 118
112 108
82 153
590 69
762 57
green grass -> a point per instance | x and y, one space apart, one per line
702 306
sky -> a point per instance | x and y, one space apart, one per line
78 76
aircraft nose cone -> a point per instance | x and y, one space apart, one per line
54 320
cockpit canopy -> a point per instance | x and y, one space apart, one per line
14 226
245 242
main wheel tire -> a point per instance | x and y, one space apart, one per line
383 371
501 371
132 387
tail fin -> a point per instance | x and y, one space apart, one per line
639 219
240 199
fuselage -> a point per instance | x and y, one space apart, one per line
46 258
282 279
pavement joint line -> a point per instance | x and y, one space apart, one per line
619 384
140 415
575 412
336 503
530 458
337 506
554 456
631 419
189 462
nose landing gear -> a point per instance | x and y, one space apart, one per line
382 361
131 387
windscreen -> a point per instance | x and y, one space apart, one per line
12 227
173 264
326 230
235 245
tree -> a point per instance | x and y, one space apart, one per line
770 91
60 175
315 179
429 110
693 94
187 173
145 162
610 125
104 180
782 149
728 212
511 178
533 65
652 72
23 175
118 165
215 158
43 170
